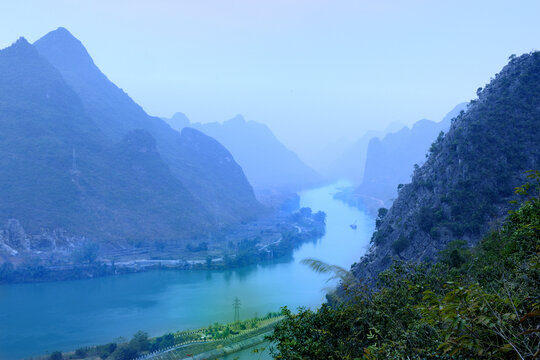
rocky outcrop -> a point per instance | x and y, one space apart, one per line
16 243
14 236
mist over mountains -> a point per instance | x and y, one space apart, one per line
227 195
267 163
78 154
345 159
390 160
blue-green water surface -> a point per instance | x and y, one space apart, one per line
44 317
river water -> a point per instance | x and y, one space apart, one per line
41 318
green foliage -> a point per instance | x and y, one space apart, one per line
437 145
103 351
87 254
381 214
429 217
139 342
203 246
81 352
162 342
455 255
379 237
105 190
475 303
402 243
56 355
204 174
78 154
464 187
123 352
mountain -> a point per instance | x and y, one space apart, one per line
352 162
178 121
464 187
343 160
390 160
267 163
60 171
213 180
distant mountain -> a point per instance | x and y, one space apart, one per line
463 189
213 177
267 163
390 160
59 170
178 121
343 160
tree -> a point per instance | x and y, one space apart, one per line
56 355
140 341
124 352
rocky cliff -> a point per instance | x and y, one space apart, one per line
464 187
54 245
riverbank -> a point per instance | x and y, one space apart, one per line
261 241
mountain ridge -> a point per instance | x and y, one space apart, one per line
267 163
116 114
464 187
391 159
61 172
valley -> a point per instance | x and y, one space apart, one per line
66 315
252 180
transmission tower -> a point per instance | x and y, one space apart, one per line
74 162
236 307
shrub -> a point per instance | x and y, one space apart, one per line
400 244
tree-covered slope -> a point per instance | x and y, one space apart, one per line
41 122
115 113
205 163
60 171
464 186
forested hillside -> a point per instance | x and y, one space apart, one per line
60 171
225 193
85 168
464 188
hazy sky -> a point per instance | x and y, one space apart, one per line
312 70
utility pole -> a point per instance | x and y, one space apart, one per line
236 306
74 172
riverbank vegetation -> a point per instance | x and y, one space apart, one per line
473 303
180 343
254 242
